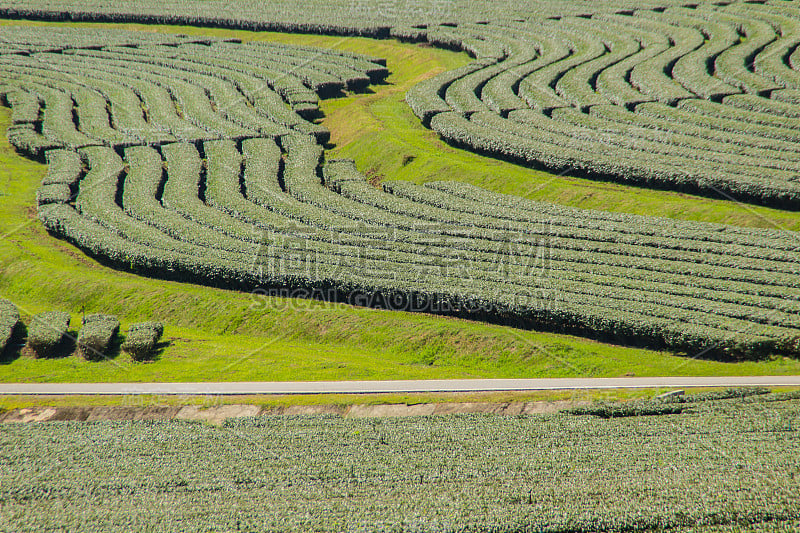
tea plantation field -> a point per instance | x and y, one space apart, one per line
215 334
196 159
409 189
200 159
726 465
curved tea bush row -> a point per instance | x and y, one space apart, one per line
554 150
249 203
735 55
160 91
27 39
25 107
244 219
732 56
688 59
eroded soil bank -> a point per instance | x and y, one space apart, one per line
218 414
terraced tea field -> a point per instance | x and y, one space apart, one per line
707 93
199 159
228 186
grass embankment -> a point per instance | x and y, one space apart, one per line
228 336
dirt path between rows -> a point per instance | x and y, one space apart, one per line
218 414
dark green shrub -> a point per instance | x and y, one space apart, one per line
727 394
626 409
9 318
141 340
97 336
46 333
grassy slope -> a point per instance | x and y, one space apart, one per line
224 335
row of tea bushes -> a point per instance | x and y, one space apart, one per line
67 95
254 216
48 335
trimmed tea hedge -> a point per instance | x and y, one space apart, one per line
141 340
97 336
9 319
693 287
695 58
46 333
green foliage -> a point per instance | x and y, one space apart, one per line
726 466
141 340
46 333
674 404
732 282
64 167
9 319
97 337
25 107
686 293
25 138
190 88
628 409
726 394
134 215
304 336
51 194
427 98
